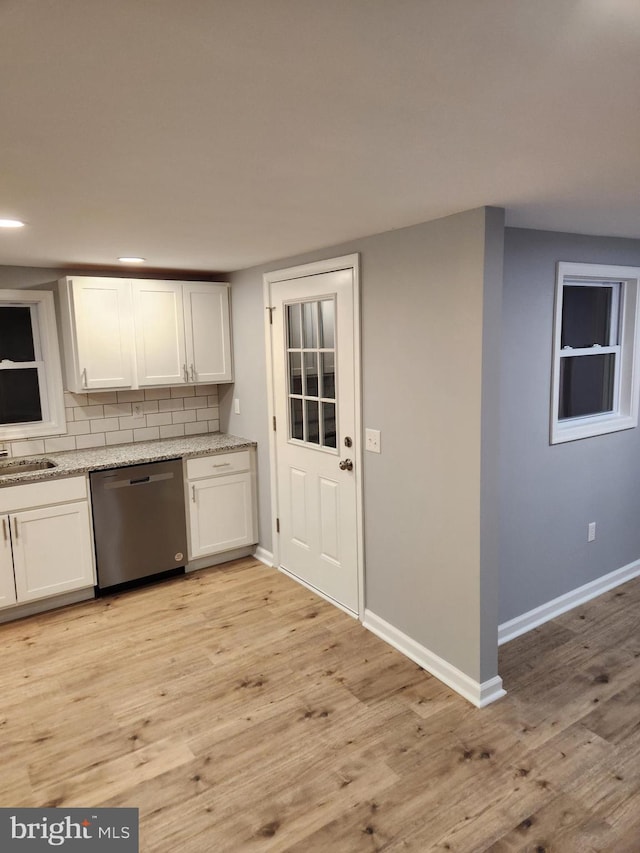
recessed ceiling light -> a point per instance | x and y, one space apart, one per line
132 260
11 223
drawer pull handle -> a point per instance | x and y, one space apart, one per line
221 464
4 528
193 493
15 524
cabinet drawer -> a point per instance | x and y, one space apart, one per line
42 493
219 463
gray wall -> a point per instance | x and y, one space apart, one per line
423 326
549 494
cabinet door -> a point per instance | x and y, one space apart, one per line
220 514
102 308
208 337
52 550
159 333
7 582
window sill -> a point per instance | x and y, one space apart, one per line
588 427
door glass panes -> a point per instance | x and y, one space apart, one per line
327 323
310 324
328 375
586 385
587 313
311 359
20 396
293 325
295 372
297 423
312 421
16 334
329 424
311 374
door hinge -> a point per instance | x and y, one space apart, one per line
271 309
274 423
277 525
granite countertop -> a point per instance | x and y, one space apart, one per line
98 458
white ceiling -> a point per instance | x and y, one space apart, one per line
217 134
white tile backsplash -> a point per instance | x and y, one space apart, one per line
122 436
83 413
171 431
28 447
161 419
67 442
183 391
171 405
95 440
157 393
100 418
105 425
146 434
130 396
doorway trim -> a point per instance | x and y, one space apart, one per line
345 262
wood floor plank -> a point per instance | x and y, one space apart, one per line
239 712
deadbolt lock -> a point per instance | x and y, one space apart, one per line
347 441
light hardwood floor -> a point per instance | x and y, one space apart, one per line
239 712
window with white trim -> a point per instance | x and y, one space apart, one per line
31 396
595 364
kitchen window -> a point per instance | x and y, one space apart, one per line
31 397
595 372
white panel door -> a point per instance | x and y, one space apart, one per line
314 398
52 550
220 514
207 332
159 333
7 582
104 332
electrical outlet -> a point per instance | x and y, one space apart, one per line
236 405
591 531
372 440
137 410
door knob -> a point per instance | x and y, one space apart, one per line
346 465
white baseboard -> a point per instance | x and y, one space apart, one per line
30 608
218 559
479 694
539 615
264 556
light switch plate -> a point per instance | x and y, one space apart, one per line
372 440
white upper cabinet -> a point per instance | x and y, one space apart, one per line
207 331
97 333
136 333
159 331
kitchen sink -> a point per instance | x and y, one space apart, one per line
25 467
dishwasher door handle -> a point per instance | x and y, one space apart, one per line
138 481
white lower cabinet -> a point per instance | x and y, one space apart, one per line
46 550
221 503
7 577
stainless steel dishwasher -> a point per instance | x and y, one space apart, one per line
138 521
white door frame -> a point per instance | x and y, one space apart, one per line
351 262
